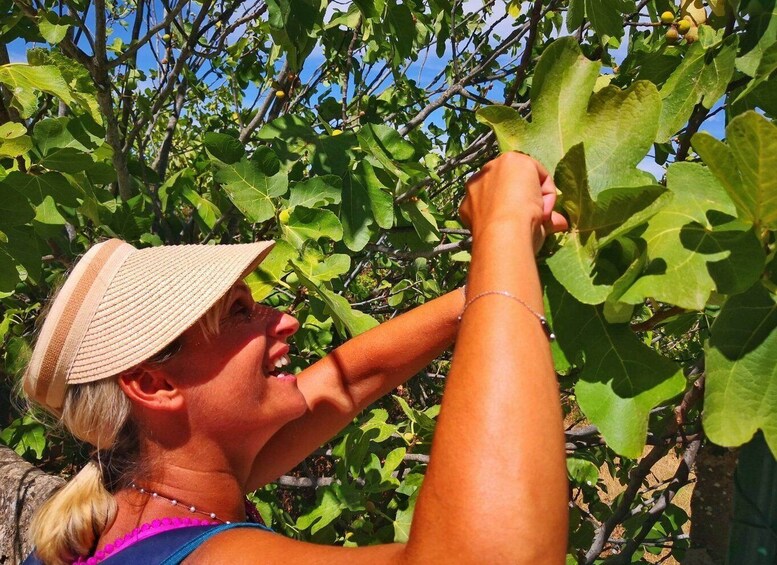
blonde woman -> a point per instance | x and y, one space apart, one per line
160 359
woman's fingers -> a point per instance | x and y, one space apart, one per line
557 223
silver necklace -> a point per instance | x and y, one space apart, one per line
175 502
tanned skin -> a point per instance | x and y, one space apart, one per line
495 490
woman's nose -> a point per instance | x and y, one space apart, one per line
283 326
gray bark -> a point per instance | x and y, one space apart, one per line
23 488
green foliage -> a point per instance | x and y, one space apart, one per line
345 132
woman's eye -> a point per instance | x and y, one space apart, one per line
240 309
244 311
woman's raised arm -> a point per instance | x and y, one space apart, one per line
495 490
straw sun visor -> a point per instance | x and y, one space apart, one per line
122 305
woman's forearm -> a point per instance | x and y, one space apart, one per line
497 476
381 359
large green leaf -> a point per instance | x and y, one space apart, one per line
207 213
699 78
65 132
617 127
292 24
746 166
424 223
385 146
14 140
693 246
347 320
52 27
404 519
365 206
82 86
316 192
320 268
355 215
311 223
594 224
759 36
23 246
328 507
334 154
67 160
265 279
223 147
606 16
37 187
741 366
766 68
24 81
381 204
621 379
251 190
15 209
47 213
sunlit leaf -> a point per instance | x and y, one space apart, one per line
741 366
251 190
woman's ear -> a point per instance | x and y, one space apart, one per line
151 388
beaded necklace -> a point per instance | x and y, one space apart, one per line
174 502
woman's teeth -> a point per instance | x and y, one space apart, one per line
282 361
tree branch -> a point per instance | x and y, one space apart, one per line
152 31
679 480
536 14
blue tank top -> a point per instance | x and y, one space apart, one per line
166 548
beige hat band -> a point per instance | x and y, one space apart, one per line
73 323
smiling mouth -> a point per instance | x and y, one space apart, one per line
276 369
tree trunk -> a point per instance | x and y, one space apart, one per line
23 488
712 502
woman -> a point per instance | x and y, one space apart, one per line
163 362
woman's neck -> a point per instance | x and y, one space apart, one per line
181 483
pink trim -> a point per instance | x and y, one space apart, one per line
140 533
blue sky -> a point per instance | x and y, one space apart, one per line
423 69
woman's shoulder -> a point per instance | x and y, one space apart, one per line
253 545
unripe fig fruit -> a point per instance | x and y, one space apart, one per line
683 27
166 37
337 131
284 216
370 506
671 35
692 35
408 436
280 94
667 18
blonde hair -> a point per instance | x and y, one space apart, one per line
71 522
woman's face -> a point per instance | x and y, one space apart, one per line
235 380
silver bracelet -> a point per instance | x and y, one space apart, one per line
543 321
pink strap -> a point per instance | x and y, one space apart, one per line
140 533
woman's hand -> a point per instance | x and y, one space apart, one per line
515 190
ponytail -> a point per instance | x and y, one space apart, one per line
70 523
